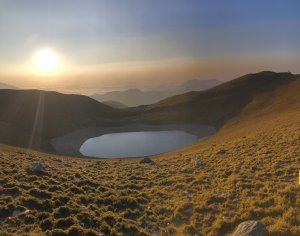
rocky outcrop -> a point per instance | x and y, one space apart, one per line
146 160
38 169
251 228
3 181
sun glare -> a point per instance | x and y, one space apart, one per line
46 61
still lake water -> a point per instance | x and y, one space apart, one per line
136 144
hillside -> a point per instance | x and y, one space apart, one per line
115 104
247 171
217 105
30 118
197 85
133 97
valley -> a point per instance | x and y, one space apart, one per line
247 170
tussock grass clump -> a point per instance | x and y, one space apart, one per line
183 213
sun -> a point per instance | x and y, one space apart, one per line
46 60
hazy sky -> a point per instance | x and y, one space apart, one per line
110 44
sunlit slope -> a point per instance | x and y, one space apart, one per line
218 105
29 118
253 161
282 103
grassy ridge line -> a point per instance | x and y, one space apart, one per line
218 105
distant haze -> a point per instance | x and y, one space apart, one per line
7 86
106 45
136 97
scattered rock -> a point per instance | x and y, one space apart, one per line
146 160
251 228
226 218
223 195
196 162
16 212
3 181
212 234
221 151
37 168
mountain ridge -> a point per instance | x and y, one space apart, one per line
31 118
217 105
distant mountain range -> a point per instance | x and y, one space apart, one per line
7 86
115 104
136 97
198 85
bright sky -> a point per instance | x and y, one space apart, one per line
101 45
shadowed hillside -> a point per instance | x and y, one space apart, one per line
114 104
29 118
247 171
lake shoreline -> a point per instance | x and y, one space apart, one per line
70 144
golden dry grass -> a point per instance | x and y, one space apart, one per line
248 170
250 173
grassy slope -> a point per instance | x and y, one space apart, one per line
249 170
47 114
217 105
